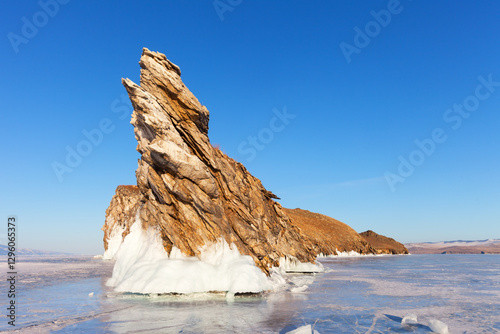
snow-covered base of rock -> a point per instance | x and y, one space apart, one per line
293 265
143 266
346 254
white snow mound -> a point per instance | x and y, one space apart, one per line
438 326
346 254
291 264
299 289
410 319
114 242
307 329
143 266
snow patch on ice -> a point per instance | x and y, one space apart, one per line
348 254
299 289
409 319
345 254
438 326
276 280
143 266
307 329
291 264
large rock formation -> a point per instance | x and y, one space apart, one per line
193 192
196 195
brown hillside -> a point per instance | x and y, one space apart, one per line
328 234
384 245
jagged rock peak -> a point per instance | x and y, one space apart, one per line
162 79
190 190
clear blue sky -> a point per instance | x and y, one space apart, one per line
359 100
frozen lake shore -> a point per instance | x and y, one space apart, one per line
354 294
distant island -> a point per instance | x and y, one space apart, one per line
488 246
4 250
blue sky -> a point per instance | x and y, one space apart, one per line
355 114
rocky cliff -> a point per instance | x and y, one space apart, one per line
195 195
190 190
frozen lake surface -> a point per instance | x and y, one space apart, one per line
354 295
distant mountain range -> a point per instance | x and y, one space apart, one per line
488 246
4 250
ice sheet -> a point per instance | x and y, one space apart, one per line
353 295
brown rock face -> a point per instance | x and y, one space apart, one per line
384 245
193 192
327 234
121 211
